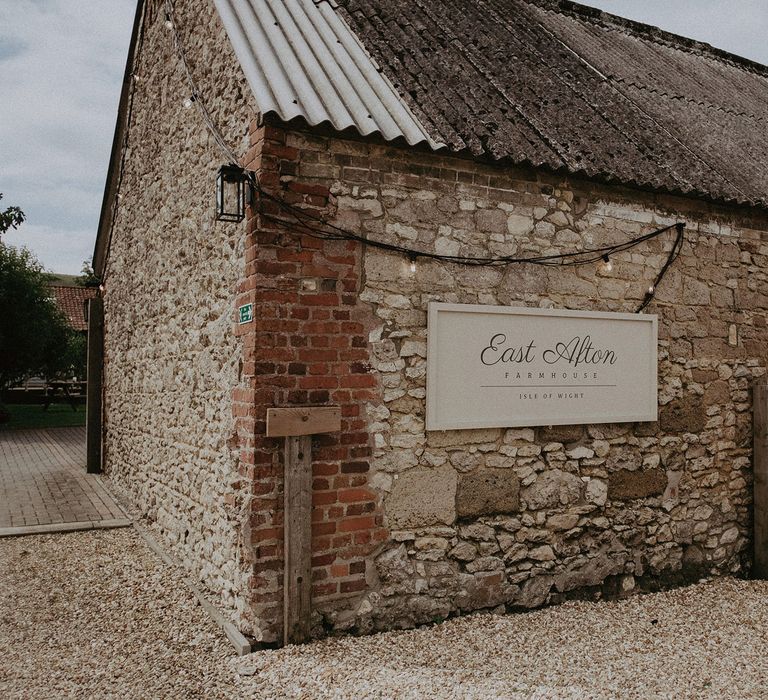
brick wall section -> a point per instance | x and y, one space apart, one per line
308 345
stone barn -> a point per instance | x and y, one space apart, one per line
413 173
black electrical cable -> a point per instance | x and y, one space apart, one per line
317 227
673 255
582 257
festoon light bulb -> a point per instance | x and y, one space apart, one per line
606 265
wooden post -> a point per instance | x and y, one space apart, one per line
297 529
93 400
760 461
297 425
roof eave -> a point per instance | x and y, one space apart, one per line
107 214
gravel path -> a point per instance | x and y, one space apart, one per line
97 615
705 641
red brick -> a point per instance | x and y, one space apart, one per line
354 467
357 381
323 498
335 512
353 586
357 567
318 355
327 299
339 570
323 559
356 495
311 189
359 508
324 589
318 382
324 468
293 255
305 348
261 488
354 438
267 534
353 524
321 544
342 540
319 529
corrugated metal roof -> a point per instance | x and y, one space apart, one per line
302 60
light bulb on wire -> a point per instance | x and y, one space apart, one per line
412 264
168 23
606 265
188 101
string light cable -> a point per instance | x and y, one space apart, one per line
194 97
315 226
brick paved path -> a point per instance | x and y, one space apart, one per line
44 487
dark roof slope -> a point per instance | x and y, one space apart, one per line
567 87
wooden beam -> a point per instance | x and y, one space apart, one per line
297 572
93 399
296 424
760 461
303 420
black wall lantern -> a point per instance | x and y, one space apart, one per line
233 189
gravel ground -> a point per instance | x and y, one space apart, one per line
98 615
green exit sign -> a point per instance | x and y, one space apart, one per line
245 313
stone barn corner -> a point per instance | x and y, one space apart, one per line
408 525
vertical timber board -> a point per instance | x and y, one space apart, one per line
760 461
297 573
93 400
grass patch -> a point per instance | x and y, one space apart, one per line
58 415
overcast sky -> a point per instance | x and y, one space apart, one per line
61 64
738 26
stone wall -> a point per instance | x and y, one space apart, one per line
525 517
172 359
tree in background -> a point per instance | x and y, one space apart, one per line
87 276
12 217
34 334
35 337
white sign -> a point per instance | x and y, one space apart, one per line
501 366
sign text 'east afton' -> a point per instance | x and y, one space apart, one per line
500 366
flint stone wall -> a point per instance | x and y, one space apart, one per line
525 517
172 360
